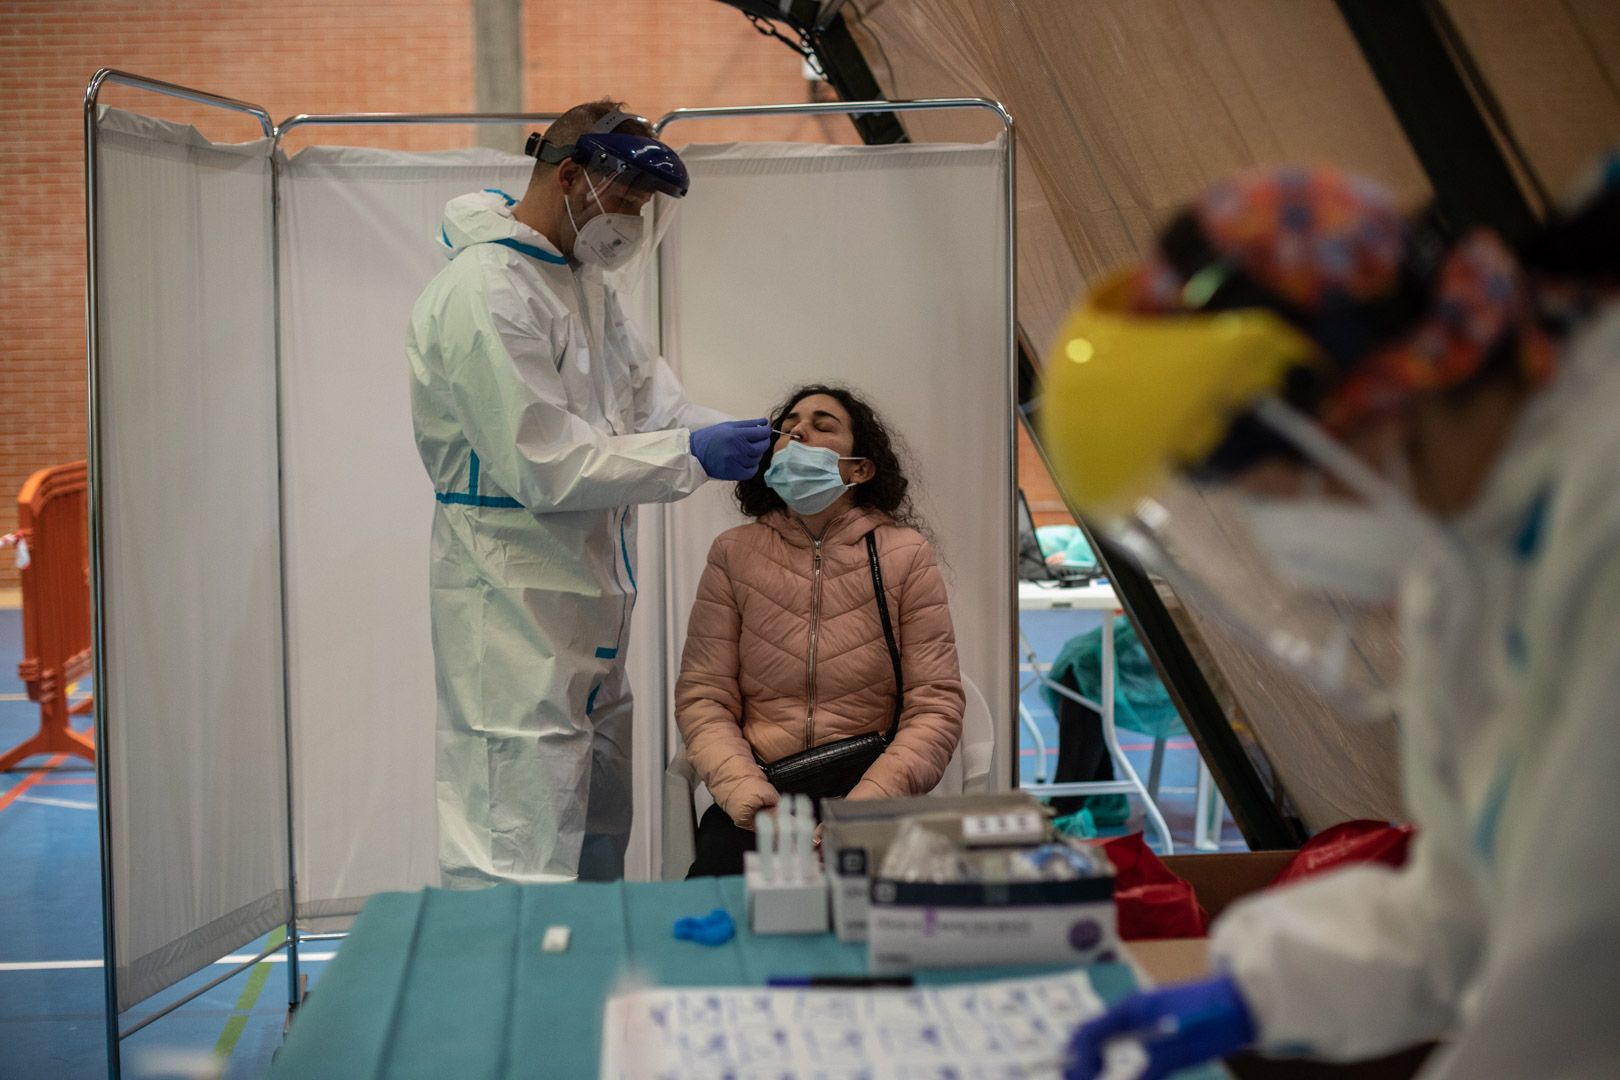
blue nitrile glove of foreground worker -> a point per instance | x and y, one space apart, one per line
732 450
1179 1026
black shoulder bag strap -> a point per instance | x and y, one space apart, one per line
888 634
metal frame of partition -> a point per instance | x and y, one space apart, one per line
358 119
98 630
275 133
302 120
855 109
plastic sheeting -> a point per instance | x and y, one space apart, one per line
191 710
1126 109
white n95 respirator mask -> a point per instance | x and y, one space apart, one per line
608 240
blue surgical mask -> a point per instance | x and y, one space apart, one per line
807 477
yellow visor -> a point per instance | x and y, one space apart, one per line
1130 399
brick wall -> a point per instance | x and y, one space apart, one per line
300 56
1046 506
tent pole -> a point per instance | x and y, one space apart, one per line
1419 59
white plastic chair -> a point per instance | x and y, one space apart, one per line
681 791
968 772
1208 806
1130 783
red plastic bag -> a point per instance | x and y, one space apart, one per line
1348 843
1151 902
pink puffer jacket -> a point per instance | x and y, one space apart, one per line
755 680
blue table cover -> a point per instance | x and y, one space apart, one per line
447 983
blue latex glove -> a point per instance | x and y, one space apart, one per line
732 450
715 928
1179 1026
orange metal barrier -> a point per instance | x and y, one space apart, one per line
55 607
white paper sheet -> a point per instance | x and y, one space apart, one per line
1011 1029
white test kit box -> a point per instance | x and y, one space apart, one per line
850 888
858 835
913 925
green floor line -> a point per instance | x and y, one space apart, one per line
245 1002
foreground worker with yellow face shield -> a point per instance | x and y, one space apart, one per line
1388 427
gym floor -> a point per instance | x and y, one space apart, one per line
51 987
52 997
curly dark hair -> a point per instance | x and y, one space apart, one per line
887 491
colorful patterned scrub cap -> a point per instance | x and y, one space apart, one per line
1320 239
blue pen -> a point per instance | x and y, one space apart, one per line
843 982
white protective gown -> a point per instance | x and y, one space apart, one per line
542 421
1502 933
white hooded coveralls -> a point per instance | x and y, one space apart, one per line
542 421
1502 932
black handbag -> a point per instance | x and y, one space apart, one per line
830 770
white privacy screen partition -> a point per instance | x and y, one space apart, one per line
846 232
882 268
358 230
190 601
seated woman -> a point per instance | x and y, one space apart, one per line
786 648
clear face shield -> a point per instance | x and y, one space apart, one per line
625 244
1304 558
1301 551
622 200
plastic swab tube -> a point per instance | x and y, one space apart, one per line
765 830
803 851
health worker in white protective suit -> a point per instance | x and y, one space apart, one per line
1392 416
543 421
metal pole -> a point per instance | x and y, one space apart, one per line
200 991
1010 513
98 626
97 513
186 93
354 119
293 995
1010 210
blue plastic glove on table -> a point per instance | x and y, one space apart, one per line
1179 1027
732 450
715 928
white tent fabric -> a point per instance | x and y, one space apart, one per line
191 706
883 268
1126 108
358 232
